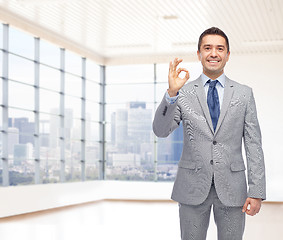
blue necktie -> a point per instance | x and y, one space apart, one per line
213 102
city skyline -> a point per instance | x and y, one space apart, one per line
130 146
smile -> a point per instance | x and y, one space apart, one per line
213 61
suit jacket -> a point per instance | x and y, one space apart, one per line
207 153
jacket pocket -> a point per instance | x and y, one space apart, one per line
237 166
190 165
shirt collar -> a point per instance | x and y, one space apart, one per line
221 79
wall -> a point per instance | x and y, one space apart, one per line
264 73
31 198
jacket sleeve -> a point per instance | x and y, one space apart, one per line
167 118
254 152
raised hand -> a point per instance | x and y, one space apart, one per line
175 82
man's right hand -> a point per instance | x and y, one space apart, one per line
175 82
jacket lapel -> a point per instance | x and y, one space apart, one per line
202 100
228 93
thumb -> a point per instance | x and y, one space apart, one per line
245 206
186 78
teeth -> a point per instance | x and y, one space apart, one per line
213 61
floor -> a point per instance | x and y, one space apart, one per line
127 220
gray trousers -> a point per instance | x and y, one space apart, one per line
194 220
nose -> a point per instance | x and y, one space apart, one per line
213 52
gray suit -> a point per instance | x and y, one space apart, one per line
207 154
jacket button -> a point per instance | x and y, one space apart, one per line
211 162
214 142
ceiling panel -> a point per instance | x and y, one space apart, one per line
111 31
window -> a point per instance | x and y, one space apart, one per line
21 43
129 112
53 127
52 116
49 54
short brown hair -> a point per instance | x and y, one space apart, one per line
213 31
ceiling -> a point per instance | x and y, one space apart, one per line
147 31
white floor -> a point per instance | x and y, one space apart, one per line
127 220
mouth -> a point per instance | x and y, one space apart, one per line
213 61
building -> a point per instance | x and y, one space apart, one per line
13 139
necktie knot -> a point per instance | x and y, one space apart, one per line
212 84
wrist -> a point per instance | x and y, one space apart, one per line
172 93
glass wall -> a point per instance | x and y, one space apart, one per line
129 113
133 93
58 126
49 112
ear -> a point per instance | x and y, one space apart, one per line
199 55
227 56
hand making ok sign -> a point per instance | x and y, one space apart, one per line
175 82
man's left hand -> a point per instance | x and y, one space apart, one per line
255 204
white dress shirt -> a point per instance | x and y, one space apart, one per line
219 86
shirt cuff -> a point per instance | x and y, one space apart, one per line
169 99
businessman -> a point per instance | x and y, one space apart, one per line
218 115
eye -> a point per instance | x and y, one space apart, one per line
221 49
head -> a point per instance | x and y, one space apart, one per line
214 31
213 51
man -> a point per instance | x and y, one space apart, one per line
217 114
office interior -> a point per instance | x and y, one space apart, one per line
80 82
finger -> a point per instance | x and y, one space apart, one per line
187 75
254 209
175 64
250 213
257 209
170 66
245 207
180 60
182 70
254 206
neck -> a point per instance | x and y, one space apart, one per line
213 76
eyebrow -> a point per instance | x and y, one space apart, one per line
208 45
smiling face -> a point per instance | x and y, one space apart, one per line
213 55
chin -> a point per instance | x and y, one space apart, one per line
213 70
